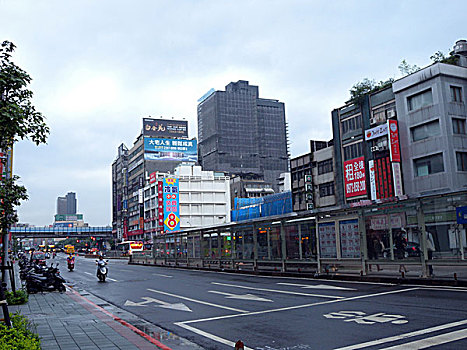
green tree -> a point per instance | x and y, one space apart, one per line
18 120
406 69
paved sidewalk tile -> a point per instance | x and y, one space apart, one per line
64 322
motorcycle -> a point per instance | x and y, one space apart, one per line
71 265
102 269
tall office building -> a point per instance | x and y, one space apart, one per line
70 203
242 134
61 206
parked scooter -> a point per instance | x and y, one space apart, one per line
43 280
101 269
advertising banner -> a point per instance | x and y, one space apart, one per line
396 171
384 181
165 128
152 178
375 132
350 239
394 141
160 205
371 170
354 177
170 149
327 240
171 205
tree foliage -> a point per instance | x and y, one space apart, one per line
365 87
405 68
18 120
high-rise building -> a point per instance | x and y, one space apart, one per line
240 133
61 206
71 203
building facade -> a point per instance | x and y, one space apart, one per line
240 133
67 205
120 193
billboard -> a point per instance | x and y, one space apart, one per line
171 205
371 171
376 132
354 177
165 128
170 149
63 224
394 150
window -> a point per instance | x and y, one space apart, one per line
422 99
425 131
458 126
461 161
353 151
351 124
429 165
326 189
456 94
325 166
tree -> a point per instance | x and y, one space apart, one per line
18 120
407 69
365 87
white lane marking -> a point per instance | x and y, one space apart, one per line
159 274
196 301
240 296
432 341
88 273
317 286
278 291
404 336
302 306
176 306
111 279
209 335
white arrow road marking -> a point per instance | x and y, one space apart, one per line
279 291
318 286
159 274
196 301
240 296
176 306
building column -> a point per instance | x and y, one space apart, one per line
363 241
283 247
422 238
300 241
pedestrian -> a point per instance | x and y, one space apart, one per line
430 248
400 244
374 249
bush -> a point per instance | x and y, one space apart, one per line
19 337
21 297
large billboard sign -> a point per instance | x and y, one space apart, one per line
165 128
354 177
394 150
376 132
171 205
170 149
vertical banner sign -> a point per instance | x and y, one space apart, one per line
396 169
152 178
171 205
394 141
327 240
371 170
350 239
354 177
160 205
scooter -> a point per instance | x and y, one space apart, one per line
101 269
71 265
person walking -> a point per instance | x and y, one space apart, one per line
430 248
400 244
374 250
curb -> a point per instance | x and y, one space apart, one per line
122 322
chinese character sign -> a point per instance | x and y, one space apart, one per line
165 128
354 177
170 149
327 240
171 204
394 141
350 239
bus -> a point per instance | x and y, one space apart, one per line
128 247
69 249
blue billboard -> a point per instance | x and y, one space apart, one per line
171 204
170 149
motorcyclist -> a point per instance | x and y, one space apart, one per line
100 262
70 259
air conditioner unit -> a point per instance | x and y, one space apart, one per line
373 121
391 113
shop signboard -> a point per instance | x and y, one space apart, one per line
371 171
379 222
327 240
354 177
397 176
171 205
350 239
461 215
170 149
152 178
165 128
394 150
384 182
160 205
376 132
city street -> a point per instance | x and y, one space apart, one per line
216 309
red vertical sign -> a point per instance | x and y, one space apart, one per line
354 177
160 205
394 141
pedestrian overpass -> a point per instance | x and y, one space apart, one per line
62 232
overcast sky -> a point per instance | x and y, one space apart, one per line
99 67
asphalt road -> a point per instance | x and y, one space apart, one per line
216 309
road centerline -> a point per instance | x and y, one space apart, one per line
279 291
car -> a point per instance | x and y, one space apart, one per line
39 257
412 249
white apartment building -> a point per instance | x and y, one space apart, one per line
204 198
